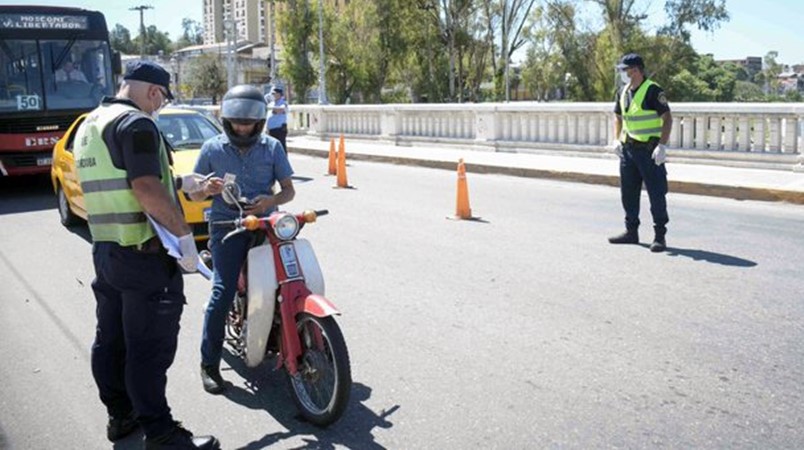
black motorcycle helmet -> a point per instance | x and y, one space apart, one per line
246 104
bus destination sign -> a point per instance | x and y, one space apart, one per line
43 22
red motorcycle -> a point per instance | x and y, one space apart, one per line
280 309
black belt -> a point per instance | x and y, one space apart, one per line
649 143
153 245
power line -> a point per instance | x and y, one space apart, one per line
141 8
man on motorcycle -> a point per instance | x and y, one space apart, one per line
257 161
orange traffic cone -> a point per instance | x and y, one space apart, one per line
332 155
462 209
342 182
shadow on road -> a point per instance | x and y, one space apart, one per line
266 389
711 257
81 230
25 194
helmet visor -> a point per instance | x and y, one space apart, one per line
245 109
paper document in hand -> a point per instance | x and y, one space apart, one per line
171 243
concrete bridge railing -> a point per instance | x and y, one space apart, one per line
763 135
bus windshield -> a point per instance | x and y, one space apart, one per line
38 75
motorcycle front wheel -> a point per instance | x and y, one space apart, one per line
323 382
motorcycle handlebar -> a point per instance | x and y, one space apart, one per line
321 212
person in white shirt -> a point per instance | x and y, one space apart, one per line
68 72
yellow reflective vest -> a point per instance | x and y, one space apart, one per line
114 214
640 124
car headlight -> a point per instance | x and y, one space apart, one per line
286 227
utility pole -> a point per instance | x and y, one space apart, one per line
273 46
322 83
141 8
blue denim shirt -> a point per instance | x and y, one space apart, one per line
255 171
277 120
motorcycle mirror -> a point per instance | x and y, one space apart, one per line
230 193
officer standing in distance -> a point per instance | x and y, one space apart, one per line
642 127
124 170
277 123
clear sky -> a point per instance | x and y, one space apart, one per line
755 27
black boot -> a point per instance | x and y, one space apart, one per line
658 245
122 426
212 379
180 438
631 236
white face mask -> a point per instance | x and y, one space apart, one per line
624 76
155 112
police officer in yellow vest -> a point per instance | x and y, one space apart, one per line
642 127
124 169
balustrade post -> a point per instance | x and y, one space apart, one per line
790 134
318 122
759 135
775 144
744 141
486 125
729 135
701 132
714 132
675 133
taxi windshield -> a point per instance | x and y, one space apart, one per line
186 131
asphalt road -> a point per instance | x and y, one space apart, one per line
524 329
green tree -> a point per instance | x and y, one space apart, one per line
120 39
296 24
746 91
769 77
192 34
706 81
543 71
706 15
206 77
155 41
353 52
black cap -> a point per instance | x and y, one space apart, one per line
631 60
149 72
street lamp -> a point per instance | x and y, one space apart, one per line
230 26
176 62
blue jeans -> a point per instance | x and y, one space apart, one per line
637 166
227 259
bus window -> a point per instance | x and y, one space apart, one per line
20 79
77 73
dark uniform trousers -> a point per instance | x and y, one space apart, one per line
637 166
140 299
280 133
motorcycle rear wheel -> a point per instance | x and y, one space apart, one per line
322 385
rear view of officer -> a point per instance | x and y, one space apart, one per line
642 126
123 166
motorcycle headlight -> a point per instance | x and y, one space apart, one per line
286 227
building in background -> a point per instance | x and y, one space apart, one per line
751 64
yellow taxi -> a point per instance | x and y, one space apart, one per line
184 128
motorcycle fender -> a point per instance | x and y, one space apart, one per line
319 306
262 288
313 277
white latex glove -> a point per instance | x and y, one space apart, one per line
192 183
189 253
616 147
660 154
